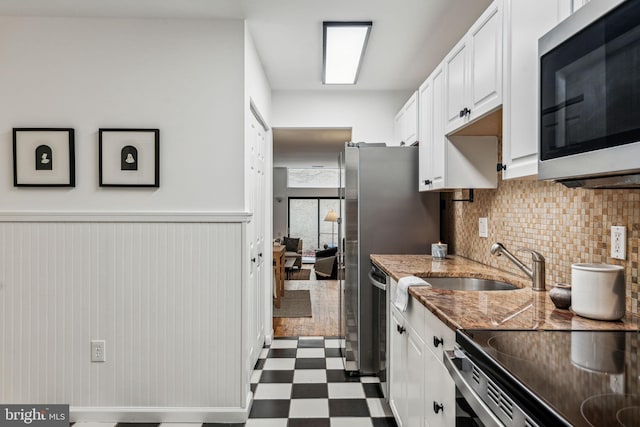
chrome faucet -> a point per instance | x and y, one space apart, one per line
536 274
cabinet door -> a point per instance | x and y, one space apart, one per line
440 394
456 84
524 24
425 131
438 336
398 129
439 161
397 368
415 379
485 57
577 4
411 120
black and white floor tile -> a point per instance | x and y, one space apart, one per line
302 382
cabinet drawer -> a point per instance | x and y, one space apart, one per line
437 336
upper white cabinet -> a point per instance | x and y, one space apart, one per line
524 23
473 71
406 122
425 134
577 4
448 163
456 85
495 64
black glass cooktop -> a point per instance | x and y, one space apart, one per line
583 378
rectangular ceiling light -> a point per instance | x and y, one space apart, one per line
344 45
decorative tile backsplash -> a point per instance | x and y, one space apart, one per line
565 225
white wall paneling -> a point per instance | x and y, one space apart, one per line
167 297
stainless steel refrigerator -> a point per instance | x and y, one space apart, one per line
384 213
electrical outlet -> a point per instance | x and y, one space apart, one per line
98 351
483 227
618 242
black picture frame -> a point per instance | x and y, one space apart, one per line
129 157
44 157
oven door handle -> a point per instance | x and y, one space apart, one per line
376 283
480 408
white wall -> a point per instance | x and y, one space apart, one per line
181 76
370 114
166 290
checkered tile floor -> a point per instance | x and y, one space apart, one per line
301 381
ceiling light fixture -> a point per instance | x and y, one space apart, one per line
344 45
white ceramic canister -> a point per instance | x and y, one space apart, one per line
598 291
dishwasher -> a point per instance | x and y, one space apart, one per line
379 282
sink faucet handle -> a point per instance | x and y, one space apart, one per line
537 256
538 270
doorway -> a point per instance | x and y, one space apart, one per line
306 189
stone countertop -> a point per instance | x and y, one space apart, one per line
515 309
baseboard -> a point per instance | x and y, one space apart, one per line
162 414
268 338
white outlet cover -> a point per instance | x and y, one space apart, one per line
618 242
483 227
98 351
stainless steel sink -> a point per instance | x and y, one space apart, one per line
468 284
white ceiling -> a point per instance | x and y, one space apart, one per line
408 39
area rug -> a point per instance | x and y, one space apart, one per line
301 274
294 303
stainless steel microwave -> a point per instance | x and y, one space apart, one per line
589 104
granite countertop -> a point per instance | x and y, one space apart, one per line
514 309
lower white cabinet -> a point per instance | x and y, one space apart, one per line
397 368
440 390
421 392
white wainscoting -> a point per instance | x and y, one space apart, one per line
167 297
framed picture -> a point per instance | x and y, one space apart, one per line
129 157
43 157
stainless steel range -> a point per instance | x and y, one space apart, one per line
548 378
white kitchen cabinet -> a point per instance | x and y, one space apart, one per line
397 369
406 122
406 373
577 4
406 363
448 163
440 390
415 388
473 71
524 23
426 134
456 85
421 392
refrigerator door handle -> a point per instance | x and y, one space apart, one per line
375 283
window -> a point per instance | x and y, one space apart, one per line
307 221
313 178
